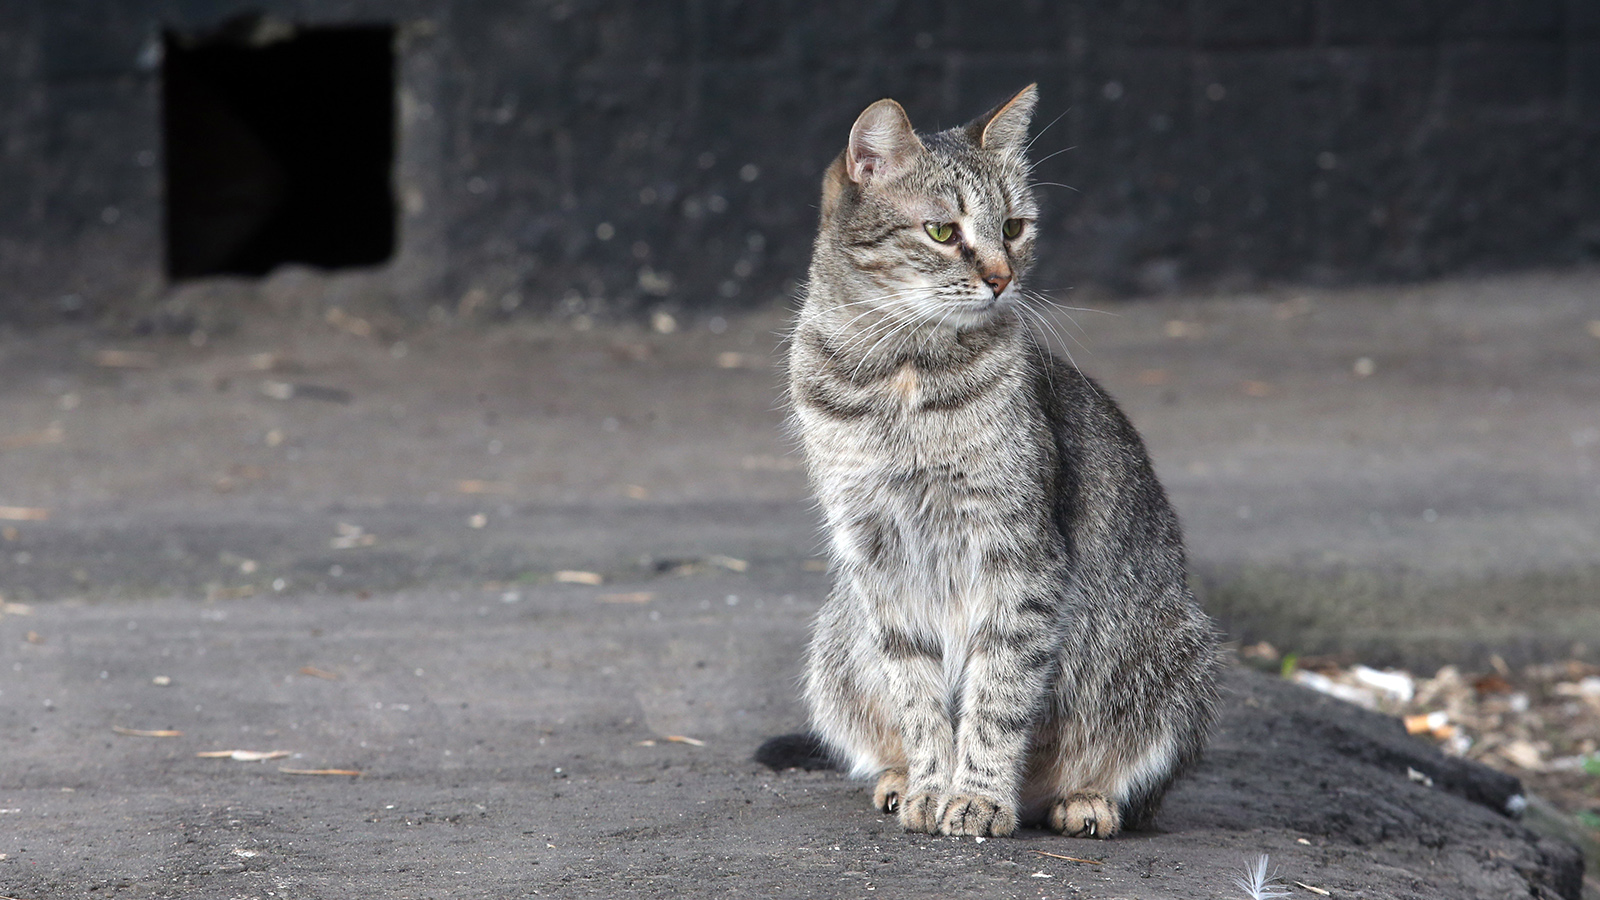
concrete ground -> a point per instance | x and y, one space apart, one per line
545 587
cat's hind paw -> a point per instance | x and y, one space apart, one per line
1086 814
977 816
919 812
891 787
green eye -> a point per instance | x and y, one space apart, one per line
940 231
1012 228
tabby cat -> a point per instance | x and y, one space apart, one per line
1010 639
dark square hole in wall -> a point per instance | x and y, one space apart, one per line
279 147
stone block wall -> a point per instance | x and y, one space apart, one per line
610 155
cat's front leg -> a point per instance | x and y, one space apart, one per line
1006 674
915 681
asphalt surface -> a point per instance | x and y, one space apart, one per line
545 588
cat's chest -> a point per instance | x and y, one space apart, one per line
919 444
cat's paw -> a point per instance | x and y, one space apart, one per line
978 816
891 787
919 812
1086 814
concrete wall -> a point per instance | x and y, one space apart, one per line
624 154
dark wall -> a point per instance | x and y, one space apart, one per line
613 155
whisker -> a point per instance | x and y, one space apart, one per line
1044 129
1053 156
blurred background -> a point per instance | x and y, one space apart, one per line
590 157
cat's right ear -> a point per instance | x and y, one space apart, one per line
881 143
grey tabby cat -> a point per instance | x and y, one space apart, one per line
1010 638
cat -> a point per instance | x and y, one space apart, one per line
1010 639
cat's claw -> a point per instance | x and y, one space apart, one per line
977 816
1086 814
891 787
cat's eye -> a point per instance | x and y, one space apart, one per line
940 231
1012 228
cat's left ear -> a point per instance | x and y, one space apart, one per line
1006 126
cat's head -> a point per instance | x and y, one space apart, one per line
938 226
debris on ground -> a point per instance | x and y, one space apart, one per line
1540 723
243 755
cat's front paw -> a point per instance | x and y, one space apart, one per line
919 812
978 816
891 787
1085 814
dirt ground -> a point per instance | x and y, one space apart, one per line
544 585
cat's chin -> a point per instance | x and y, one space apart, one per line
975 314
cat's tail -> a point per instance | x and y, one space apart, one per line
795 751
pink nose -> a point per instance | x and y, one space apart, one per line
997 281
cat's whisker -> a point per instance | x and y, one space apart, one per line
1036 137
1066 312
1041 162
1044 297
905 323
1043 320
1056 184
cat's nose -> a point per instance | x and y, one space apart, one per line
997 281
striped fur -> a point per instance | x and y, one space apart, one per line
1010 637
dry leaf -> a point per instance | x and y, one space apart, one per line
632 597
243 755
727 562
51 435
351 536
343 321
1492 683
574 576
136 732
353 772
680 739
24 513
125 359
1522 753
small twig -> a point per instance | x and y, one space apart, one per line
1314 890
1092 862
139 732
